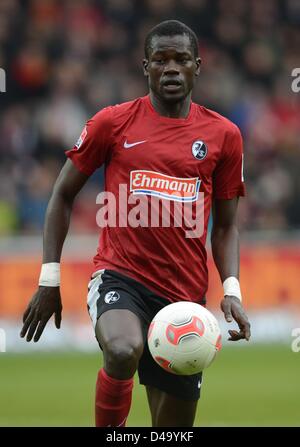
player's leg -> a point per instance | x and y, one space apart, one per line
172 398
116 311
119 333
170 411
120 336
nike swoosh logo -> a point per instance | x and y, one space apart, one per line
128 145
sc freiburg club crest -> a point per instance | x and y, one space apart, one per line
199 149
111 297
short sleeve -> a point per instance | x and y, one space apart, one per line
94 144
228 178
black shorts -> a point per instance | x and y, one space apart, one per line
113 290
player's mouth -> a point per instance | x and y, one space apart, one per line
171 85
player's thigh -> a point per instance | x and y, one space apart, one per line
170 411
120 337
121 327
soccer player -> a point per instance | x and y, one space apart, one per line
166 147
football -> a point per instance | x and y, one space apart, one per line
184 338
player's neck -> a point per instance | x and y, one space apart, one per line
177 110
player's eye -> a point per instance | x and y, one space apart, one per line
183 61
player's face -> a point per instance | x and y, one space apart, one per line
171 67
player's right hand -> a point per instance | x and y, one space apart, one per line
44 303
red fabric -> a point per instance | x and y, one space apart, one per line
145 152
113 400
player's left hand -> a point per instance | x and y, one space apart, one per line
233 309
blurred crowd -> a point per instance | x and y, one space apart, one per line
66 59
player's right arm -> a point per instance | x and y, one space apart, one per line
89 153
47 301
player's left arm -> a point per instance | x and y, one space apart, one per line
225 250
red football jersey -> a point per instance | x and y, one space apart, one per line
172 161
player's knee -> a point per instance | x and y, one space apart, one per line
121 357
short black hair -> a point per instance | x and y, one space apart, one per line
171 28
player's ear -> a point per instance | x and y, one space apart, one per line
198 66
145 67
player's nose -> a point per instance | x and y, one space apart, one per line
171 67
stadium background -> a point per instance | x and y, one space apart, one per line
64 60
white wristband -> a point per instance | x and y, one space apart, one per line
232 287
50 275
